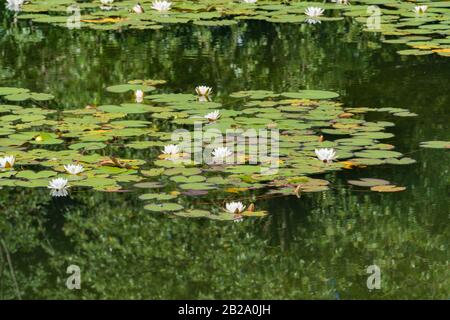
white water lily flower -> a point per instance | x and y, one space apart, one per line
235 207
213 116
7 162
203 90
220 153
171 149
74 168
314 12
161 6
250 1
58 187
139 94
107 2
14 5
325 154
420 9
138 9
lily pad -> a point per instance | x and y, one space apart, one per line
436 144
368 182
163 207
387 188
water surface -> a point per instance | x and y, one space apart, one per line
315 246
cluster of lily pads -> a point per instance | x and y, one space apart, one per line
424 26
112 148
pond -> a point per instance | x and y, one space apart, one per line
142 225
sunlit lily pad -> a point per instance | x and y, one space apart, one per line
378 154
368 182
310 94
157 196
163 207
196 186
12 91
122 88
435 144
405 160
387 188
196 213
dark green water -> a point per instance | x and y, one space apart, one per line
318 246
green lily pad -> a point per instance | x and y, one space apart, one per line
157 196
378 154
436 144
163 207
122 88
368 182
195 213
310 94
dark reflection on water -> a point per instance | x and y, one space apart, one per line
317 246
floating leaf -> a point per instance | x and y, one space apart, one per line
435 144
310 94
368 182
163 207
157 196
387 188
122 88
378 154
192 213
